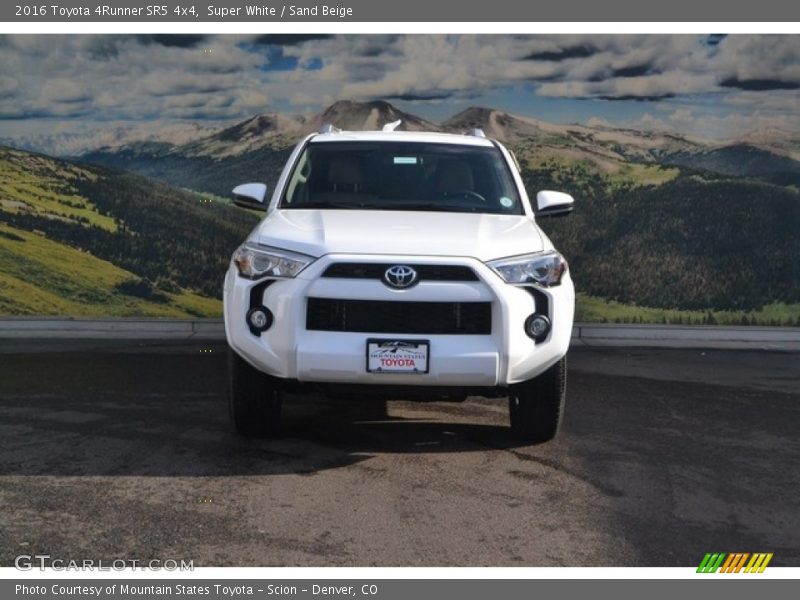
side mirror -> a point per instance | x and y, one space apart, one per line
552 204
250 195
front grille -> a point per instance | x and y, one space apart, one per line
424 272
377 316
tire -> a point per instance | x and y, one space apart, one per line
536 406
254 399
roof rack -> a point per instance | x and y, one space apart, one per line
477 132
329 128
393 125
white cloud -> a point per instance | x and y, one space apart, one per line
764 57
598 122
220 77
127 77
63 90
8 85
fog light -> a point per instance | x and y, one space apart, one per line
537 327
259 319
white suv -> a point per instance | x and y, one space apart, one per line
401 263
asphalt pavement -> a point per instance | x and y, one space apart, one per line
123 450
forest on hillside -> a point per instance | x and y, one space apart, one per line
170 237
696 242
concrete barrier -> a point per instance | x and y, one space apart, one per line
583 334
686 336
123 328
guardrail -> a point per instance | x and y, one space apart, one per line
583 334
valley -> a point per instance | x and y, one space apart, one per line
667 228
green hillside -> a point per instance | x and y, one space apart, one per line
691 243
202 172
743 158
593 309
36 185
39 276
85 240
649 241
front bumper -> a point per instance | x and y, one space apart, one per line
502 357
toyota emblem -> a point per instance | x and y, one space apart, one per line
400 276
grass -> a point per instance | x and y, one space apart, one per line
42 277
39 276
208 197
591 309
574 164
30 183
638 174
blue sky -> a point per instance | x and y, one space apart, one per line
701 85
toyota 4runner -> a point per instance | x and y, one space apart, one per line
405 264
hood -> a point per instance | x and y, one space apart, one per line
320 232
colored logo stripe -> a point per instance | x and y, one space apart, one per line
758 563
711 562
734 562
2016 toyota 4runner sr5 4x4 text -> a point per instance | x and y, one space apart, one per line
406 264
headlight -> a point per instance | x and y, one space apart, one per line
254 261
546 268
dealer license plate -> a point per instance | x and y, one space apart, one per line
397 356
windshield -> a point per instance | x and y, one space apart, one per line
402 176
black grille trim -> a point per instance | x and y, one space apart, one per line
257 292
256 298
542 306
424 272
380 316
542 300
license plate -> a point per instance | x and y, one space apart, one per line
397 356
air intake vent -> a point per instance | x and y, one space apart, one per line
377 316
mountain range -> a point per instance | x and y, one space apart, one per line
662 220
256 148
109 136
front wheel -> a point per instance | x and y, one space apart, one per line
536 406
254 399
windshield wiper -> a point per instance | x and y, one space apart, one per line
400 206
325 204
424 206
